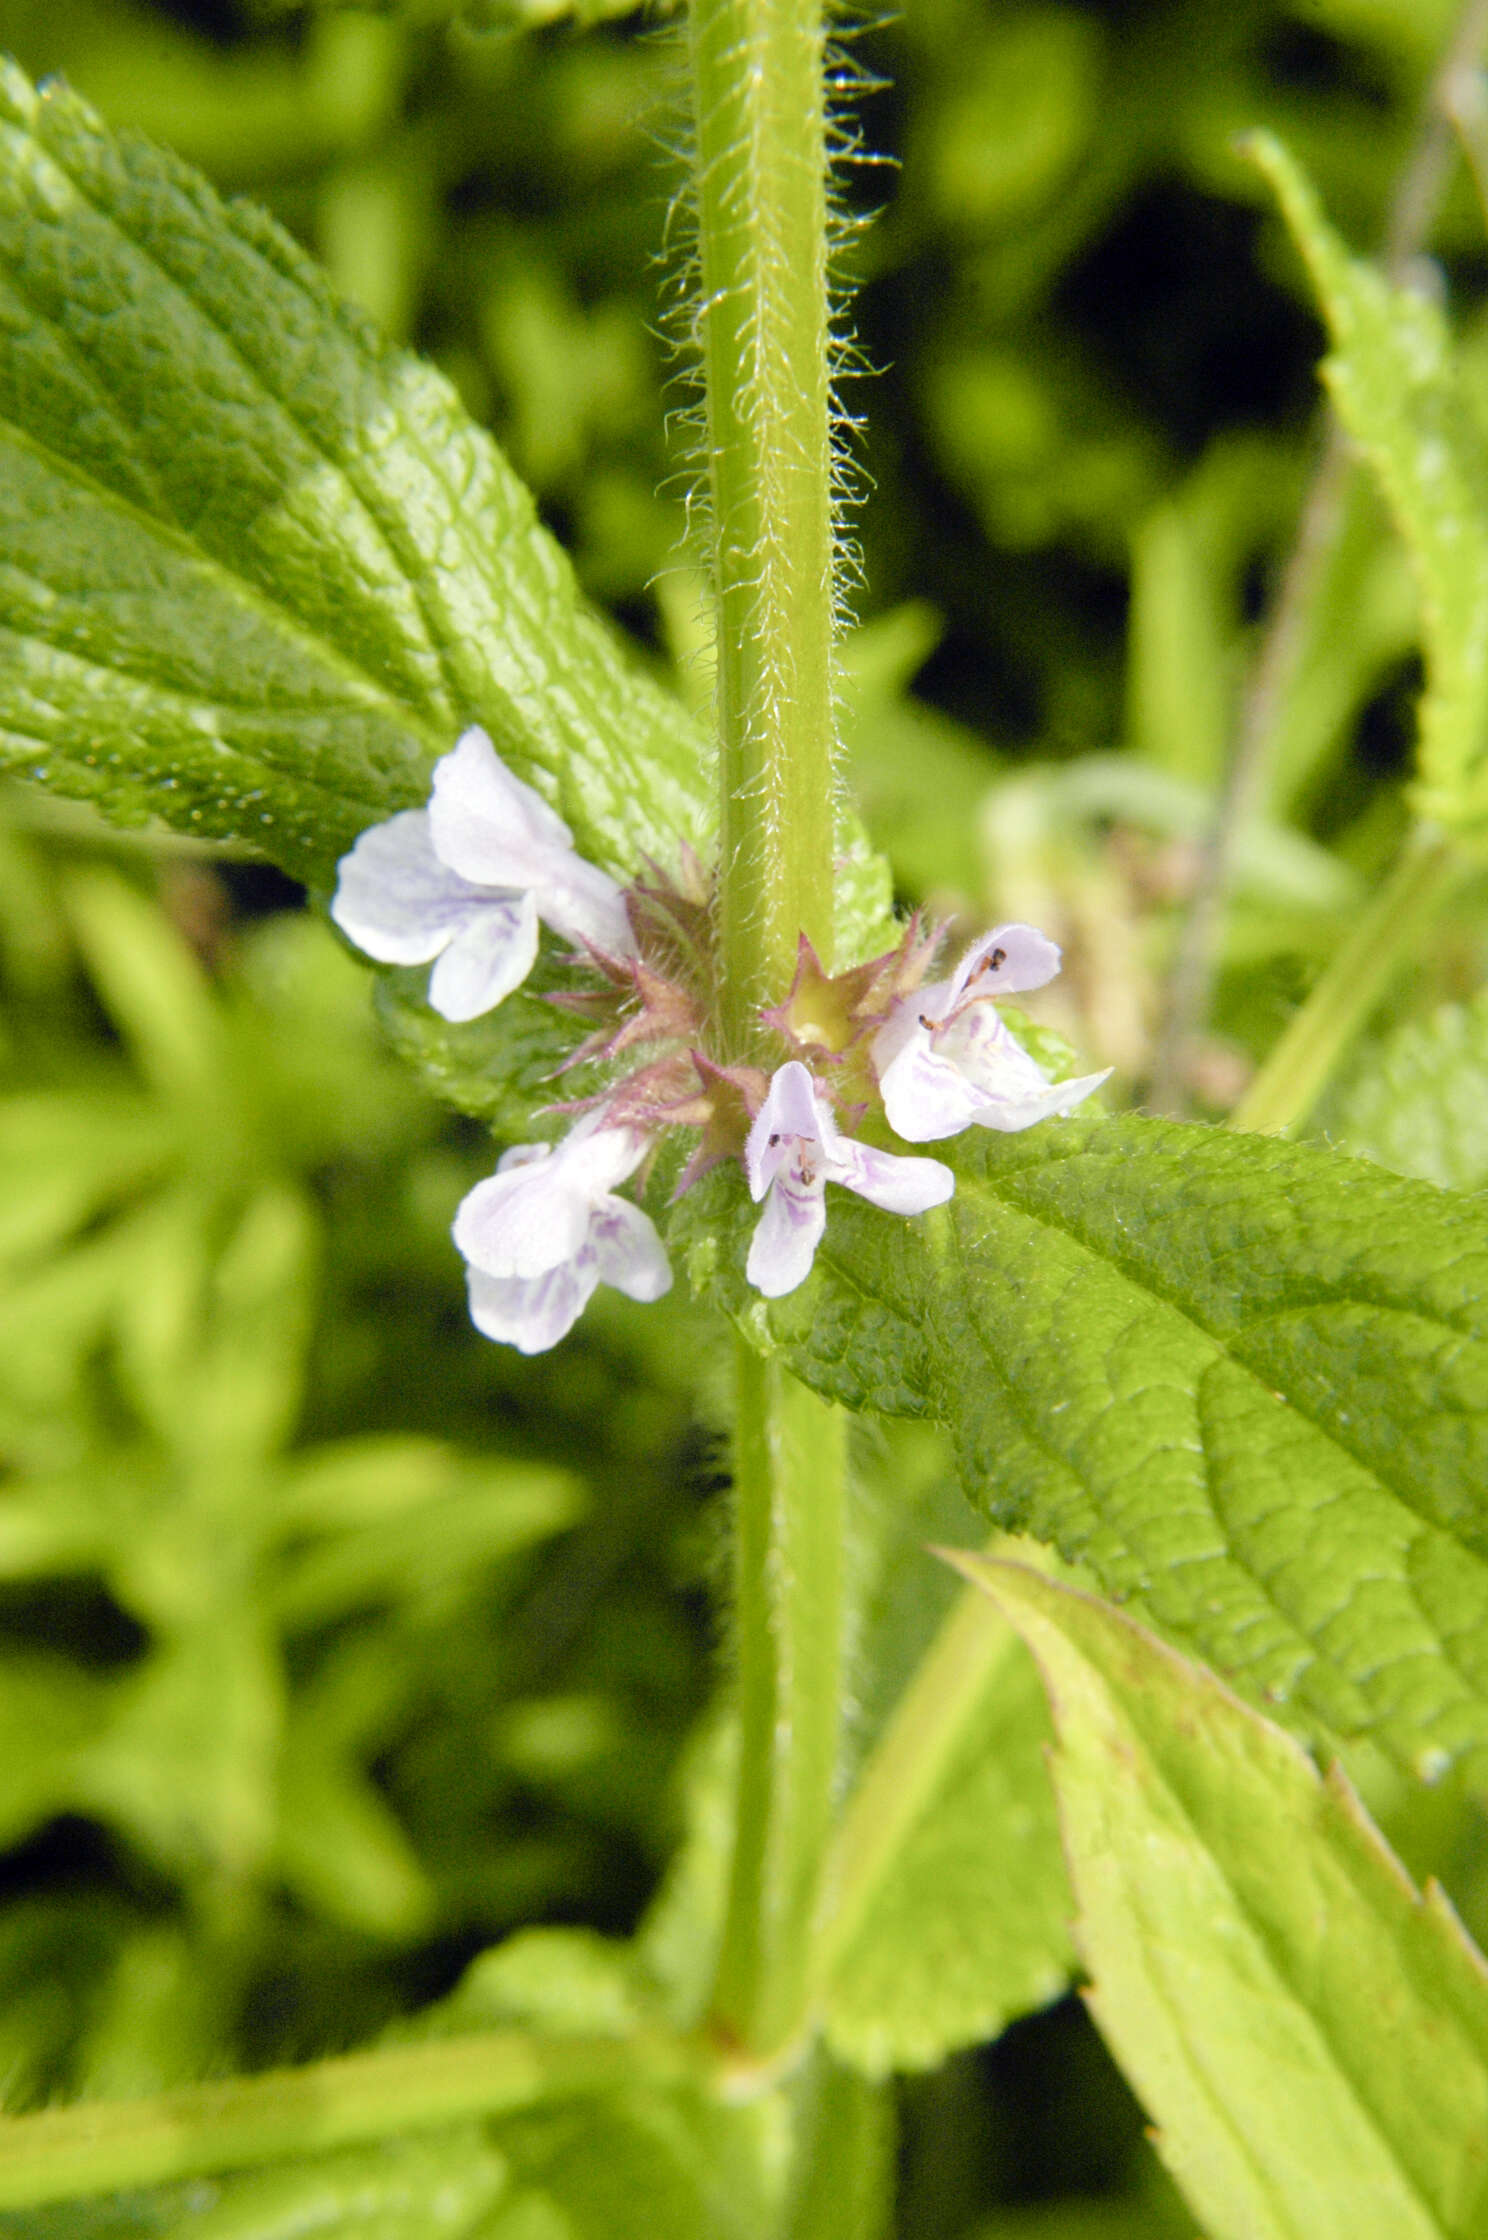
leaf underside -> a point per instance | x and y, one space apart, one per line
1310 2034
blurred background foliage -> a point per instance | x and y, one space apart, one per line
335 1643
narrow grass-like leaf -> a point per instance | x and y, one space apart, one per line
1400 392
1310 2034
257 570
1244 1380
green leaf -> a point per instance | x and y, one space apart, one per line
1244 1380
1309 2032
955 1801
1400 392
1418 1101
844 2158
399 2189
259 570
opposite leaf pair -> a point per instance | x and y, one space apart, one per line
464 883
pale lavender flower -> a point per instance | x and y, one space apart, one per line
945 1059
795 1149
464 882
546 1229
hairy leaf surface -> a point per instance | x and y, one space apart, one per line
1309 2032
1244 1380
257 570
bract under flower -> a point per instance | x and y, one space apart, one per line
543 1232
464 883
795 1149
947 1061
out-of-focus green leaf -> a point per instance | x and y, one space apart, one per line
1310 2034
262 565
1246 1381
483 1515
1362 619
844 2158
339 1846
400 2189
964 1923
187 1762
1397 385
1418 1101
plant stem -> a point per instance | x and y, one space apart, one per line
762 332
1383 940
103 2146
790 1454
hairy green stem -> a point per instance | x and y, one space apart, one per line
762 332
790 1455
1382 942
104 2146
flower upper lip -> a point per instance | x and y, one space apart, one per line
463 883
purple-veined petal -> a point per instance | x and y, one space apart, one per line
926 1096
532 1314
395 899
628 1252
490 955
785 1240
522 1222
1005 962
887 1179
791 1111
489 826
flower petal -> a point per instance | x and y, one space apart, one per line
1014 1108
1005 962
394 898
596 1156
887 1179
925 1096
487 825
785 1240
628 1252
586 905
522 1222
492 953
532 1315
791 1110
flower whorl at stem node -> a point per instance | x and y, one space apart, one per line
465 882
